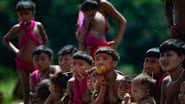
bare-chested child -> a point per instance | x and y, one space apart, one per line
30 34
152 67
174 10
108 80
108 10
181 95
58 85
42 59
93 31
171 60
65 58
77 90
142 89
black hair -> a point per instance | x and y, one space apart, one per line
109 51
25 5
68 49
83 56
173 45
43 89
89 5
153 52
60 79
42 49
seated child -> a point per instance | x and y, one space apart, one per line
42 92
142 87
65 57
57 87
171 60
182 93
77 86
107 78
42 59
152 67
92 33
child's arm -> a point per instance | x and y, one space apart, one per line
69 92
43 33
111 11
49 99
11 34
169 12
101 95
169 17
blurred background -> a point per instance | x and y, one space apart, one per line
146 28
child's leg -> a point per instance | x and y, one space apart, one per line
25 78
17 91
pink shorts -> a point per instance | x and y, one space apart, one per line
21 66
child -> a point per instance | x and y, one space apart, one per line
108 80
65 56
182 93
142 87
42 92
42 59
107 10
30 34
174 10
92 34
58 84
152 67
171 60
77 86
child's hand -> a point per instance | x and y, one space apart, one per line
126 99
19 54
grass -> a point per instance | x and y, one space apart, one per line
8 78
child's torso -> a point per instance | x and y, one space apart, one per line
27 48
172 90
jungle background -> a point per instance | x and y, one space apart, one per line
146 28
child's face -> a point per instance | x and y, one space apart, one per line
25 15
79 67
139 92
170 60
182 94
152 66
41 61
105 60
124 87
65 61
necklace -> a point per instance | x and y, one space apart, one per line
178 77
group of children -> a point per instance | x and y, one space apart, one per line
88 75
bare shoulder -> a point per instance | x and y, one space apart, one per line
166 80
16 28
149 100
71 80
39 24
119 76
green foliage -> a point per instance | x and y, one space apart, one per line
146 25
8 79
